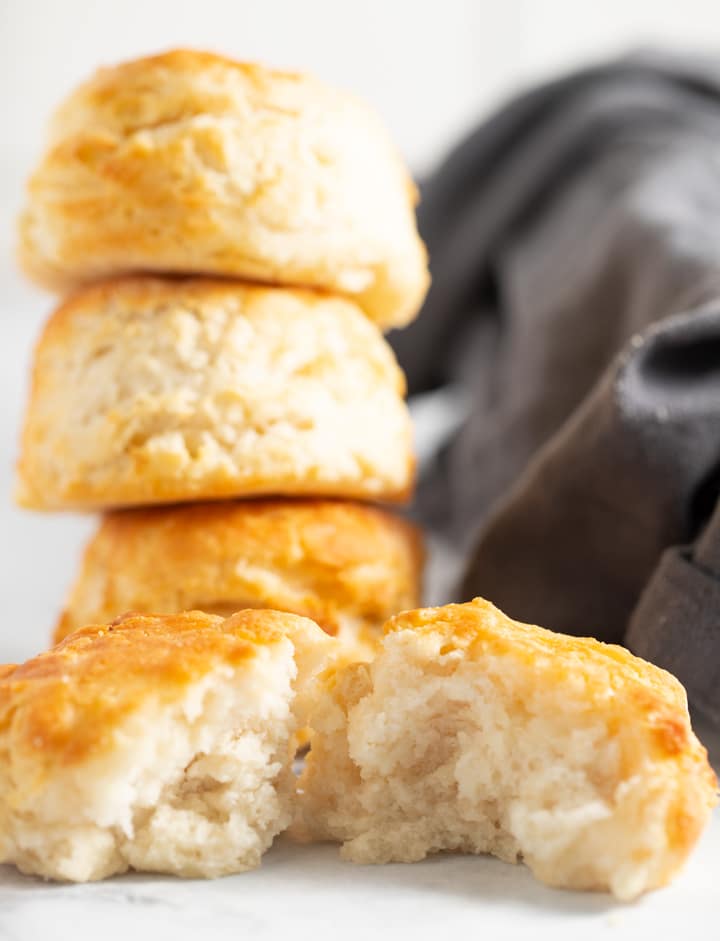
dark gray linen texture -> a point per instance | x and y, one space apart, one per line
575 251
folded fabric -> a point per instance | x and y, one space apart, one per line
576 297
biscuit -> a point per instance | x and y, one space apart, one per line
471 732
159 744
151 390
347 566
191 163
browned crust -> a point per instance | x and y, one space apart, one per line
63 706
188 161
324 559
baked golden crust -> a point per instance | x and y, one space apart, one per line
480 629
63 706
148 390
345 565
470 731
189 162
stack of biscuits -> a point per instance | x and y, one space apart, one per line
234 241
231 241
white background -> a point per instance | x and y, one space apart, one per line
432 67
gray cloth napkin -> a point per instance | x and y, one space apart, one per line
575 252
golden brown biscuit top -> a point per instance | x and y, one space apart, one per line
624 686
64 705
348 554
188 61
478 627
184 83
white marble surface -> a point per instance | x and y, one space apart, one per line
307 892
